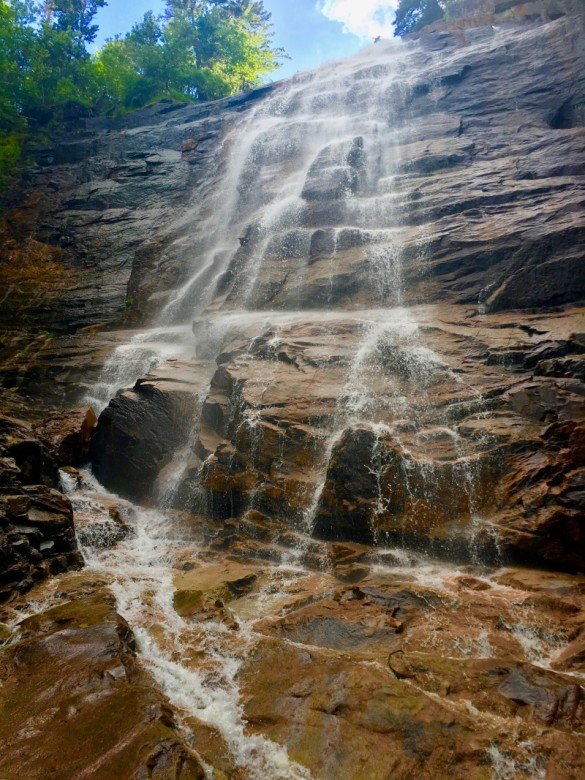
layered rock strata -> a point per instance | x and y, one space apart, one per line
99 204
472 447
37 536
388 359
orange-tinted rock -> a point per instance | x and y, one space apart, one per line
76 704
69 436
342 719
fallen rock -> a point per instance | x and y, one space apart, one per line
549 700
212 586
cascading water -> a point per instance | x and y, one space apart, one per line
304 231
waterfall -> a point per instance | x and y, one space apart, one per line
313 418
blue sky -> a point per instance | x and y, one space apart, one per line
311 31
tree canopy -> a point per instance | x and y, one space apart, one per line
196 50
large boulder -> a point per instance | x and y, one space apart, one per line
140 431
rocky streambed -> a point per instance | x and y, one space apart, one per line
252 659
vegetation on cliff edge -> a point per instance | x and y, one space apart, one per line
196 50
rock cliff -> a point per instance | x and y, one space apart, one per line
335 331
471 207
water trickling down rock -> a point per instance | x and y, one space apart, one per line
358 351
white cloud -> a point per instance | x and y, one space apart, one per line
365 18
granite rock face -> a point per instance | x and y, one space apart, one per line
99 207
495 194
372 384
380 392
464 463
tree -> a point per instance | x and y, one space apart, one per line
412 15
230 40
198 50
73 15
16 41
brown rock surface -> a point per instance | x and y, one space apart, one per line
423 677
451 401
396 364
37 537
69 436
77 705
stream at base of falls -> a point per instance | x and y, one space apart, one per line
199 618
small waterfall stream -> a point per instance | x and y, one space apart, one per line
140 570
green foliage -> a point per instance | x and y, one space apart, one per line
412 15
10 152
198 50
73 15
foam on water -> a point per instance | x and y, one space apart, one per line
505 767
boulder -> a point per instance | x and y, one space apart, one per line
141 429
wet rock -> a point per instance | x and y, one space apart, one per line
400 666
71 678
212 586
549 701
573 366
341 721
37 536
21 450
139 432
351 489
69 436
101 521
487 468
100 207
376 489
572 657
351 572
346 554
458 432
348 620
